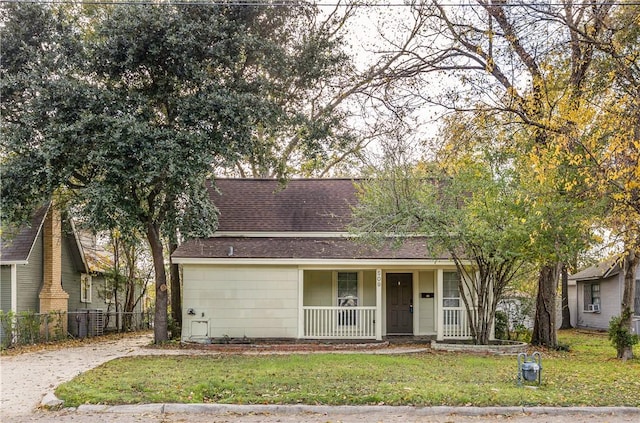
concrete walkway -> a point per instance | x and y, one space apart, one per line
26 378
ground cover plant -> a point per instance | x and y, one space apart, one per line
587 375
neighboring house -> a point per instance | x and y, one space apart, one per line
282 265
595 295
44 268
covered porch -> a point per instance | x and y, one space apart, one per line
372 303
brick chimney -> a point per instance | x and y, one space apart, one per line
52 296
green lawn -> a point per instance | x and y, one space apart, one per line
587 375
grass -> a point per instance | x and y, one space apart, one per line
588 375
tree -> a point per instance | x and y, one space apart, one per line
123 259
147 100
467 208
518 60
608 150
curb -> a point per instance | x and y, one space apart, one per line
351 410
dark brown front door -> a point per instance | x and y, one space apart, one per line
399 303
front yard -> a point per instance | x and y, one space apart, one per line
588 375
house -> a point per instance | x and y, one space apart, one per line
595 295
282 265
44 267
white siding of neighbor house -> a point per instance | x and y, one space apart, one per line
426 320
610 298
257 302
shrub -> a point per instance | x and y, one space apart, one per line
619 334
502 325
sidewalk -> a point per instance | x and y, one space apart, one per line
27 377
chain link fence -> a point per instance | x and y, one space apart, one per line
28 328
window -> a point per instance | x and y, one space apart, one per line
347 297
108 291
592 297
85 288
450 289
347 289
636 302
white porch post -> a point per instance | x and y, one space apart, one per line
438 300
379 304
14 288
300 303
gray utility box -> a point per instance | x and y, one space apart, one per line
86 323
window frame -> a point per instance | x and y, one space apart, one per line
108 291
592 295
340 301
636 300
446 289
85 288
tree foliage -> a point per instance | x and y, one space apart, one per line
127 107
466 208
532 64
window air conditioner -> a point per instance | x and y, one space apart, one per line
594 308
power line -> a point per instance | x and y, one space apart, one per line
284 3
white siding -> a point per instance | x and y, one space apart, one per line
256 302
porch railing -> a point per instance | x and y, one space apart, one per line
339 322
455 323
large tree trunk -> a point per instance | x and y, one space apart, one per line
160 329
544 326
176 291
629 266
566 313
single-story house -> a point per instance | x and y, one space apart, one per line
44 267
595 295
282 265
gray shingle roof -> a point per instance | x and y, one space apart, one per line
604 269
304 205
16 244
261 206
300 247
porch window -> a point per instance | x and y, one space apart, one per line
592 297
347 297
347 289
85 288
450 289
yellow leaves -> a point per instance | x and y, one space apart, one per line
490 65
569 185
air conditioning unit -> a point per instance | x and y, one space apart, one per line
594 308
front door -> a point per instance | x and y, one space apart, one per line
399 304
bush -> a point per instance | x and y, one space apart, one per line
619 334
502 325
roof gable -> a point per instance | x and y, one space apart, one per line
601 270
16 243
302 205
